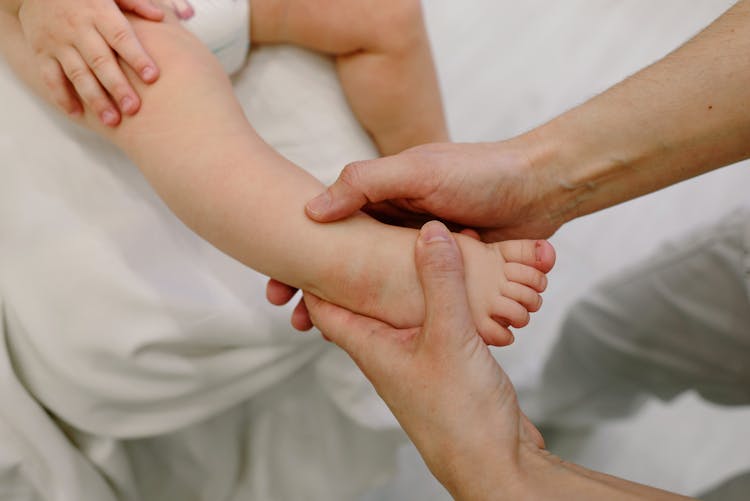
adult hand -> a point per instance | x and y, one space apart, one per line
77 42
492 187
441 382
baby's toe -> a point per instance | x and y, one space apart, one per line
495 334
525 296
505 309
536 253
526 275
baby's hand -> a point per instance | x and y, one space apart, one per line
76 43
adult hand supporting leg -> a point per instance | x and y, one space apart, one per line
454 400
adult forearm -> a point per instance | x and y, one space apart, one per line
537 474
683 116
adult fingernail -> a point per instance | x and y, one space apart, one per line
320 204
109 117
127 104
433 232
148 73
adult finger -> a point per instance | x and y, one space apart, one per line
441 273
355 334
61 90
103 63
360 183
119 34
144 8
301 318
87 86
279 293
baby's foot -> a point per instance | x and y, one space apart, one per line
503 282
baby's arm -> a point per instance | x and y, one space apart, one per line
383 59
74 43
194 145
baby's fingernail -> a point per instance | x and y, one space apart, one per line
127 104
433 232
109 117
320 204
148 73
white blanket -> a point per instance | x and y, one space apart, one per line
505 67
165 373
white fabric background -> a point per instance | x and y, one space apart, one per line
505 67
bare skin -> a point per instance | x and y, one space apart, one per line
681 117
382 56
75 46
208 164
381 49
461 410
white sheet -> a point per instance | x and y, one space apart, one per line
505 67
158 352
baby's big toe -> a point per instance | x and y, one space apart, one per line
536 253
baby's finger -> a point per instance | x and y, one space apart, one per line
87 86
120 36
144 8
183 9
59 87
102 61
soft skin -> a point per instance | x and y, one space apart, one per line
683 116
196 148
75 46
454 400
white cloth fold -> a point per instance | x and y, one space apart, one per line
138 353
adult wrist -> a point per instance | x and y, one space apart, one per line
583 168
526 472
547 168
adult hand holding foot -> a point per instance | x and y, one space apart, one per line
453 399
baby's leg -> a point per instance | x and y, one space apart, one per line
383 59
194 145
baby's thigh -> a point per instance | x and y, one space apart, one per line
334 26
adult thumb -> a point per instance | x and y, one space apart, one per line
362 183
441 273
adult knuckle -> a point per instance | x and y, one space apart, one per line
352 173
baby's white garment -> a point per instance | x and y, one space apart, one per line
138 353
224 26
